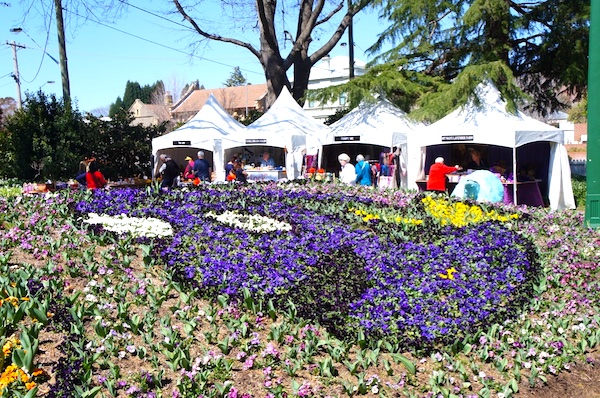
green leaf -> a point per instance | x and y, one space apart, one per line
399 358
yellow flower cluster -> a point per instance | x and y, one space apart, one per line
367 216
12 300
13 374
9 345
460 214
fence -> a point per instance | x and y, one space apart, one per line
577 167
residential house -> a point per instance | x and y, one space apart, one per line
239 101
149 114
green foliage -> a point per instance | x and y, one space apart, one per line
339 113
134 91
579 190
392 81
578 113
447 97
45 140
253 115
544 45
235 79
124 150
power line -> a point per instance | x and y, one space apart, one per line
159 44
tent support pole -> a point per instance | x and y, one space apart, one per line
515 174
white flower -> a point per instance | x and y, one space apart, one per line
253 222
91 298
122 224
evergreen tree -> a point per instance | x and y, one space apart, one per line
235 79
45 140
543 44
116 106
534 52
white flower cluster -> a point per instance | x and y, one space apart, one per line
122 224
254 222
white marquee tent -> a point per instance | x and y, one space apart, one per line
491 124
211 129
285 125
378 123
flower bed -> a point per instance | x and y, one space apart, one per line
203 292
270 241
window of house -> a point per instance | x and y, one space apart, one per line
343 99
311 103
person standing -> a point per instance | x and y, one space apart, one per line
94 178
230 167
188 173
169 171
347 173
202 168
477 161
363 171
437 175
82 171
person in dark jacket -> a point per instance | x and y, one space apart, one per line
169 172
202 168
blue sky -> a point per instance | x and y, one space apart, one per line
141 47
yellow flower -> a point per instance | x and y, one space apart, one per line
30 385
449 273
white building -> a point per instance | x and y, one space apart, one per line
559 119
330 72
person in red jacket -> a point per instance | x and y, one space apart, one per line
437 175
94 177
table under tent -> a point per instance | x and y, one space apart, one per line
209 130
370 129
285 131
524 145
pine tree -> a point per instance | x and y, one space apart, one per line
235 79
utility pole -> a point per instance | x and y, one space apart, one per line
62 51
351 46
592 200
16 76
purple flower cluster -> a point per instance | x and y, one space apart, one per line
411 295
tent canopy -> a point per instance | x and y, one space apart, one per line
491 124
284 125
208 130
376 123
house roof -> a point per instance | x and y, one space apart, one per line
146 110
229 97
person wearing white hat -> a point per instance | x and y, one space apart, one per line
437 175
347 173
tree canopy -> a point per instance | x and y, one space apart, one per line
133 91
535 52
47 140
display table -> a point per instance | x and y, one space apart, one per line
265 175
528 193
450 185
